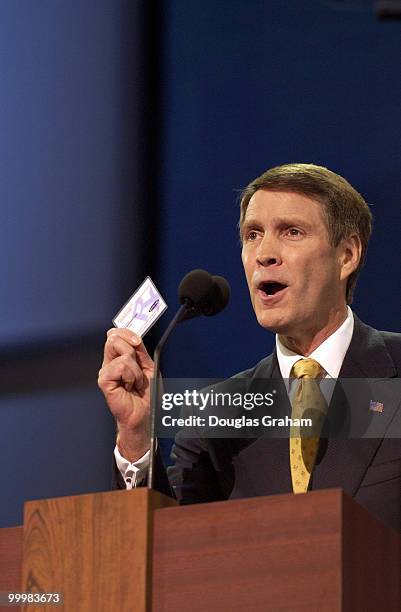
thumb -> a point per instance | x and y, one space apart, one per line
142 355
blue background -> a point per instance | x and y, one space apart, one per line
127 133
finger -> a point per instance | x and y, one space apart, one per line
121 379
122 371
114 336
121 331
115 346
125 333
143 357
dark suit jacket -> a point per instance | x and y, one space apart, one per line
369 470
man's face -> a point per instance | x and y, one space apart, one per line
294 275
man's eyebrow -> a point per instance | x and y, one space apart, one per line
290 220
252 222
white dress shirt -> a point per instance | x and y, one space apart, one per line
133 473
330 355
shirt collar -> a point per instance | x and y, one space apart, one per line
330 354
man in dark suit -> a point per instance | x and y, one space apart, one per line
304 233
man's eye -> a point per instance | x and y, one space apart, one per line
294 232
251 235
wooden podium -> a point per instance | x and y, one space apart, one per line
137 551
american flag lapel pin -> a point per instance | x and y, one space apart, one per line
376 406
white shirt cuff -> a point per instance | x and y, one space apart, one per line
133 473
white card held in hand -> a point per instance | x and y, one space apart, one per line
142 310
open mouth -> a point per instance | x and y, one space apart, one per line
271 288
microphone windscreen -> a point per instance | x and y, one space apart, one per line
219 297
195 287
203 294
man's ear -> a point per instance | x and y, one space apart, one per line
349 255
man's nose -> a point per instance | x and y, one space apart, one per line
268 253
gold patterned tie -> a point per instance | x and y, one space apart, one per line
308 399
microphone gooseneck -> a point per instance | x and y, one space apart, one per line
199 294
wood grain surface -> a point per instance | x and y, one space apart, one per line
10 561
284 552
371 561
95 548
320 551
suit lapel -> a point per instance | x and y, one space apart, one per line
345 461
367 355
262 465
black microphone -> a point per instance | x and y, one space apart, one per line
203 294
199 293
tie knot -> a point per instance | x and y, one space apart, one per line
307 368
